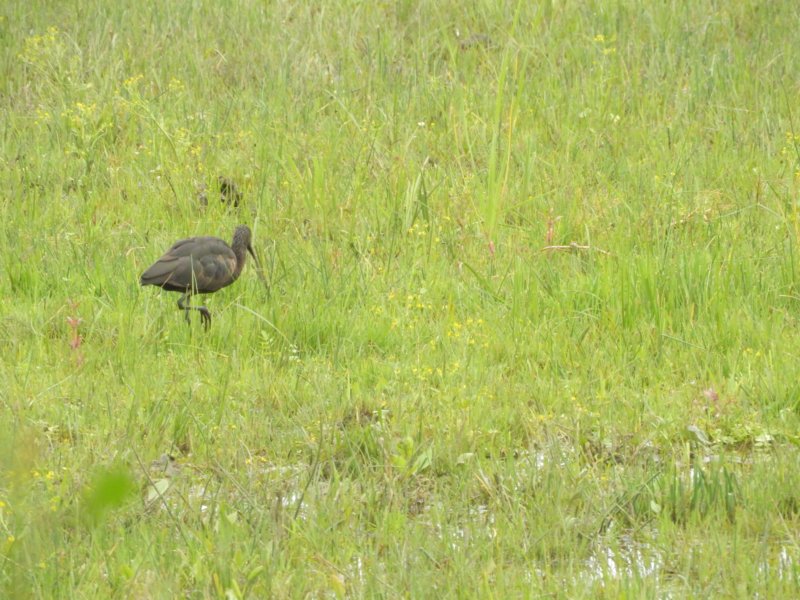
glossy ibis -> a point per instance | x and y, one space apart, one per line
200 265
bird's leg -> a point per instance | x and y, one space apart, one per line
205 315
185 307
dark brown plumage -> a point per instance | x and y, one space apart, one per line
200 265
228 192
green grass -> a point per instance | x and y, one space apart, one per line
425 401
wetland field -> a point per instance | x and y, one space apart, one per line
527 323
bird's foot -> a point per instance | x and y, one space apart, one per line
205 317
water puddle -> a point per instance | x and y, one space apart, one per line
630 559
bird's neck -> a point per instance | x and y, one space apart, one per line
241 257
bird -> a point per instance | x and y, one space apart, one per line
228 192
200 265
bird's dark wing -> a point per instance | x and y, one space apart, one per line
173 273
215 270
193 245
203 264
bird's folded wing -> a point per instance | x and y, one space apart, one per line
175 270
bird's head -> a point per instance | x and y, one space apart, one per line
242 237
